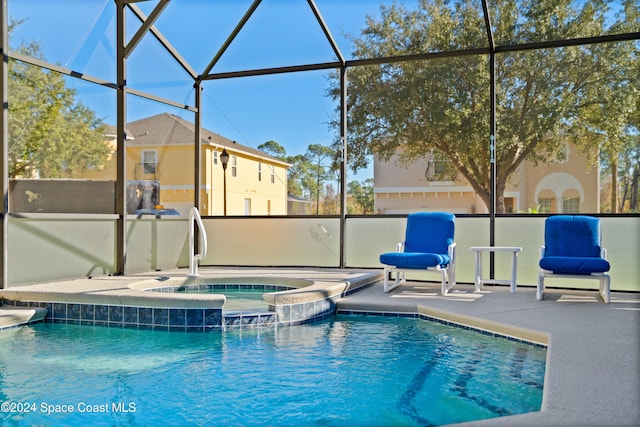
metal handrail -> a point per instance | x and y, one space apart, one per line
194 217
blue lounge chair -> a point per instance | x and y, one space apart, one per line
572 249
428 246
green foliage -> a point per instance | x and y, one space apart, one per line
310 176
585 94
273 149
361 197
299 175
50 134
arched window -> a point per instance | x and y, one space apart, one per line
571 201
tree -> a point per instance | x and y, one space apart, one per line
630 175
51 135
308 171
298 175
321 157
580 93
274 149
361 195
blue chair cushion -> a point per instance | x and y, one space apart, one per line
414 259
574 265
572 236
429 232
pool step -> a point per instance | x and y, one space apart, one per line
11 316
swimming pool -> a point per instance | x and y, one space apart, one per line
347 370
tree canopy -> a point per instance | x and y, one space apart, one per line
585 94
361 195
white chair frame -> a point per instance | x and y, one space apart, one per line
604 278
448 274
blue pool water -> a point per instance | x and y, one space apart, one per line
345 371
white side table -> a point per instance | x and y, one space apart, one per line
479 280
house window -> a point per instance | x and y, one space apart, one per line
509 204
215 157
259 171
149 161
273 174
545 205
247 207
234 166
571 205
440 170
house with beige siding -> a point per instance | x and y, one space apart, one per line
161 148
570 185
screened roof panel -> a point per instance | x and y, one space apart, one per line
277 34
526 21
404 27
151 70
197 29
285 32
79 35
291 109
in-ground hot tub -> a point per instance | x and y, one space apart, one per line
285 301
291 298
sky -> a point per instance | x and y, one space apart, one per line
292 109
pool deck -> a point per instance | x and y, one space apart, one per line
593 359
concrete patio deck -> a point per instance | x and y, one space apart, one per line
593 359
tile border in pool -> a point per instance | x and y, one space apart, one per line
171 319
204 287
120 316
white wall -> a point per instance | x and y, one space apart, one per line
47 248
